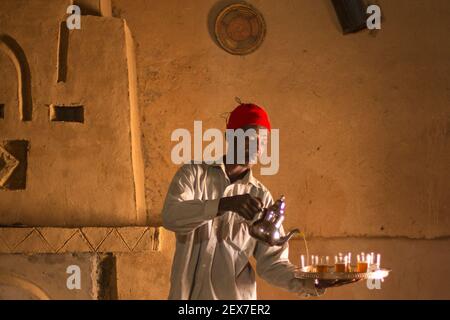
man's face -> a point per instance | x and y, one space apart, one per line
254 143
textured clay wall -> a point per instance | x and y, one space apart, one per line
364 120
79 172
364 124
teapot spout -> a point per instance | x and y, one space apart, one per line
286 238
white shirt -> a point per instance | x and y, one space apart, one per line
212 252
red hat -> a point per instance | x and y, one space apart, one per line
248 114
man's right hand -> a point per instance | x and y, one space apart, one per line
246 205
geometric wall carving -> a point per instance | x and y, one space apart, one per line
79 240
101 8
63 47
45 276
20 289
14 51
71 180
67 113
13 164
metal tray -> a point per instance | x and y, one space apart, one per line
306 273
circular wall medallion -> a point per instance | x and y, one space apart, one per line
240 29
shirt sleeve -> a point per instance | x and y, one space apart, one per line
182 213
273 265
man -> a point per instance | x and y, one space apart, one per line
207 206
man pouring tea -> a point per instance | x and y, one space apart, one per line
210 206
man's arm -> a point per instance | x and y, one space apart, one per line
273 265
182 213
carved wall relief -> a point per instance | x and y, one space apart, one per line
14 51
84 167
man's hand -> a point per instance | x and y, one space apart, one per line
246 205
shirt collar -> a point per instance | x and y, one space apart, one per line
247 179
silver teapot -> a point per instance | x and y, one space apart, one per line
268 228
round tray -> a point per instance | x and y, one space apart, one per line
240 29
304 273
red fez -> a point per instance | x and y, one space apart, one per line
248 114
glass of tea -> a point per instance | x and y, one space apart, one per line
362 264
340 263
323 265
312 262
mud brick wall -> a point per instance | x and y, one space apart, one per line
364 126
